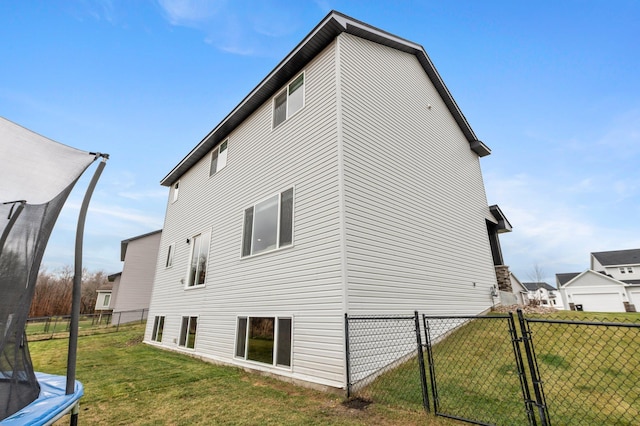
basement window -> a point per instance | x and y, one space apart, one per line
266 340
188 332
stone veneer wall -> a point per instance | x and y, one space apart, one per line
502 276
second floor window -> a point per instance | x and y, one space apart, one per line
289 101
268 225
199 256
218 158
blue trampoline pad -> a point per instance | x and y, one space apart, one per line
51 404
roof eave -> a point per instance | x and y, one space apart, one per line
320 37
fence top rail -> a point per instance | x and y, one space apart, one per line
596 323
497 316
380 317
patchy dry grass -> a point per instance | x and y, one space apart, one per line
128 382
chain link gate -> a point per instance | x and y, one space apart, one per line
486 369
476 370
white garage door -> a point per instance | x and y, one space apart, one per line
635 298
599 302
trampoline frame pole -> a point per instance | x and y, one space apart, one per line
77 287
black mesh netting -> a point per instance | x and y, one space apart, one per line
36 176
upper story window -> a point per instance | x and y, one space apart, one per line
289 101
176 186
623 270
630 269
218 158
107 300
268 225
199 257
170 251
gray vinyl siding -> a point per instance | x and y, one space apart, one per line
136 281
303 281
415 204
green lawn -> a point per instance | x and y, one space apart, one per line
128 382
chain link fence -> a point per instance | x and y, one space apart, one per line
383 359
500 369
43 328
589 370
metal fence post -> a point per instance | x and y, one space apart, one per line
423 376
432 368
526 394
347 354
533 368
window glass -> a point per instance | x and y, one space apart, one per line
176 187
296 96
286 218
280 109
169 256
248 229
158 326
199 256
183 331
265 225
269 224
284 342
218 158
261 342
107 299
241 338
188 332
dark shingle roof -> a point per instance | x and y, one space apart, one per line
632 282
618 257
535 286
566 277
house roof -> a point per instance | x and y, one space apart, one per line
631 282
566 277
533 286
320 37
125 243
618 257
503 223
105 287
112 277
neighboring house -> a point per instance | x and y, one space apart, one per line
104 301
132 287
543 294
347 181
519 290
612 284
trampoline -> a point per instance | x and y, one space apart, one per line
36 177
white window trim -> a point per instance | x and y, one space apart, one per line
175 191
186 281
226 160
195 339
293 224
286 89
275 340
106 300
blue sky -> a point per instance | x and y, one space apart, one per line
551 87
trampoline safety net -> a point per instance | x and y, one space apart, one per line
36 177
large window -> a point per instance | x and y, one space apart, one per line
268 225
289 101
199 256
264 339
158 327
218 158
188 332
106 301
